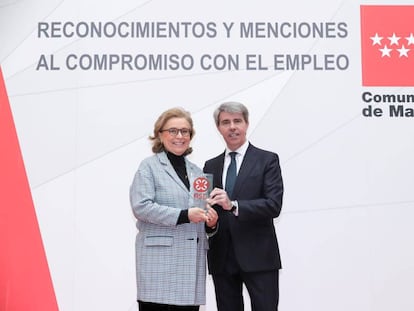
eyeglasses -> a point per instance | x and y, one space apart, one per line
174 131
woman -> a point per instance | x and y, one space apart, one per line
171 243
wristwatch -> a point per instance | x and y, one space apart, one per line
234 206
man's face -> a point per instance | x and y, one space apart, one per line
233 128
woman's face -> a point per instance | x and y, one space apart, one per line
176 135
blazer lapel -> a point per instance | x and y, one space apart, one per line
169 169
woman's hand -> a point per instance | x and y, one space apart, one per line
197 214
208 215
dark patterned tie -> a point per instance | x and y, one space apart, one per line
231 174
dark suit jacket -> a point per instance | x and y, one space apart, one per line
259 192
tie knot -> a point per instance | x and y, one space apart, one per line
233 155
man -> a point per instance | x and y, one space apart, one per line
244 247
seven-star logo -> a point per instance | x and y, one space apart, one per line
387 45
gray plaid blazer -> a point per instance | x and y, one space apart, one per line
170 258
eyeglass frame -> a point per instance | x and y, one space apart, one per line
173 131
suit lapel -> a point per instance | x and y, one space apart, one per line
246 167
218 173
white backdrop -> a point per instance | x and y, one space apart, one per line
345 231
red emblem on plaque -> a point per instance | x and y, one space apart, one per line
201 184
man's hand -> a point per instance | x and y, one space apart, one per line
220 197
212 217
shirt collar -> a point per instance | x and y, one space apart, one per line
240 151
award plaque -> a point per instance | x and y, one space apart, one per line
201 189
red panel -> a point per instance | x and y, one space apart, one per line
387 42
25 282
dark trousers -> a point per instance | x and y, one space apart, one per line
150 306
263 288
